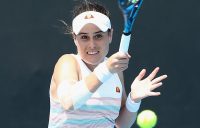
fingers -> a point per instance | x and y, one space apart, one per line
118 62
154 86
121 60
154 93
121 66
128 55
124 61
153 74
122 55
158 79
141 74
156 82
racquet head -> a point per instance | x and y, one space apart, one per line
129 10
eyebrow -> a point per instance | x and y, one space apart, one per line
82 33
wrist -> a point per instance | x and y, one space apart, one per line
134 99
102 72
131 105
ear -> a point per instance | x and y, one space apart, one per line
110 35
74 38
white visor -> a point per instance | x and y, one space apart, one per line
96 18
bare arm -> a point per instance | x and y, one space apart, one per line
140 89
67 79
125 118
66 70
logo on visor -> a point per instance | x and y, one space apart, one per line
89 16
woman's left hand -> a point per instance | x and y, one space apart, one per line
142 88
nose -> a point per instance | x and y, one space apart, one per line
92 44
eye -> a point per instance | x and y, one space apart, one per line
98 36
84 37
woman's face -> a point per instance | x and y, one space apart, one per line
92 44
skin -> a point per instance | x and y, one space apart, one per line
92 39
92 46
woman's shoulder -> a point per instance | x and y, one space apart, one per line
67 57
66 60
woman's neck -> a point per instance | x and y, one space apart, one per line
91 67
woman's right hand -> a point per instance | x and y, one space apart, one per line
118 62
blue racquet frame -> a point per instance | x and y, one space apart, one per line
130 11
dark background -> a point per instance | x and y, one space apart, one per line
166 34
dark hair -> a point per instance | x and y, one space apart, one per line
85 5
90 6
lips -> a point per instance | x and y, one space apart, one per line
92 52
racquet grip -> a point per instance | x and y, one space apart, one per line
124 44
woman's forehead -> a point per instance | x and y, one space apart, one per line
90 29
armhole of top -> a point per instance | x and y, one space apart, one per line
78 66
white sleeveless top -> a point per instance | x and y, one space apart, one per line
100 111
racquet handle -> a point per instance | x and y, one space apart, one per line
124 43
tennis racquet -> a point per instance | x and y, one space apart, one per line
129 10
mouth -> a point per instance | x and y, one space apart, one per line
93 52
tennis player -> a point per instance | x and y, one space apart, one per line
87 88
